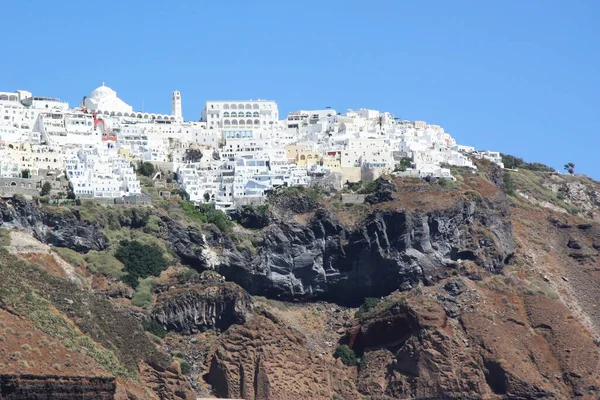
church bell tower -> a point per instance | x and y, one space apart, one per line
176 105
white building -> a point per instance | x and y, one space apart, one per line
249 114
101 173
176 105
105 99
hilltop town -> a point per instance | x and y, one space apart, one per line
236 153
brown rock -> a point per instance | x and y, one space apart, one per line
264 359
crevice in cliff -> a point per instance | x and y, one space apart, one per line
495 376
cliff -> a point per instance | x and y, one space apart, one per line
213 305
34 387
478 294
393 247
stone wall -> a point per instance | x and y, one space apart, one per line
29 186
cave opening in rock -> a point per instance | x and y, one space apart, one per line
456 255
495 377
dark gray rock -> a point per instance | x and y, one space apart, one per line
454 287
251 217
574 244
60 227
390 250
213 305
384 192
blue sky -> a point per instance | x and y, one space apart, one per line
521 77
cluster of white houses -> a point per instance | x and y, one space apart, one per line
241 149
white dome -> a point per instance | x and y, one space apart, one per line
103 92
105 99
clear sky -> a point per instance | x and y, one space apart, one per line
521 77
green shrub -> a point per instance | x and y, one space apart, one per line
46 189
513 162
143 292
188 274
72 257
4 237
509 184
368 304
153 225
104 263
368 187
186 368
404 164
155 339
155 328
207 213
145 168
140 261
346 354
446 183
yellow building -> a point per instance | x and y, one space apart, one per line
332 162
293 150
308 158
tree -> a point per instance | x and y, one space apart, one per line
368 304
71 193
404 164
346 354
146 169
379 121
186 368
25 174
206 197
509 185
193 155
570 168
140 261
46 189
513 162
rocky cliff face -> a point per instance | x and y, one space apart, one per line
14 387
215 305
264 359
57 229
390 249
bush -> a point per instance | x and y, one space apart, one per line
446 183
513 162
404 164
104 263
346 354
368 187
150 325
189 274
509 184
4 237
146 169
72 257
143 293
140 261
368 304
207 213
186 368
46 189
